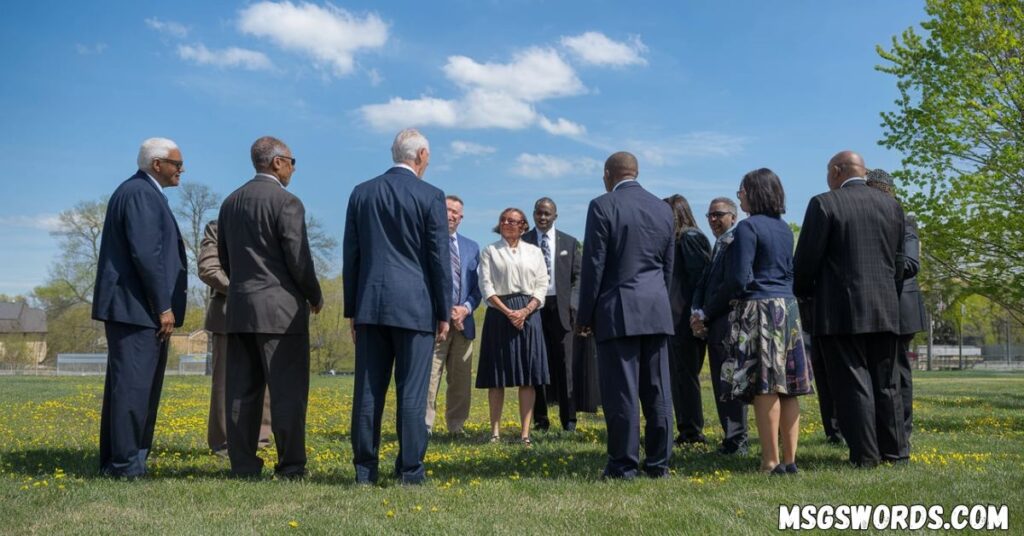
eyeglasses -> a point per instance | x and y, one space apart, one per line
286 158
717 215
510 221
740 191
176 163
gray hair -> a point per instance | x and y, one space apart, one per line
407 144
727 201
264 150
153 149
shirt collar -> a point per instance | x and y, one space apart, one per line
406 166
277 180
158 187
851 179
623 181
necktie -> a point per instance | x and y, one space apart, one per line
545 248
456 271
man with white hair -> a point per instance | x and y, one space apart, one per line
140 297
398 294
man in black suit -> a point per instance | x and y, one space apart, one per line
398 294
264 251
849 261
710 319
140 297
912 314
562 257
624 281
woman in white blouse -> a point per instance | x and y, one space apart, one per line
513 281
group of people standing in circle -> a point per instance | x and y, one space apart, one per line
623 322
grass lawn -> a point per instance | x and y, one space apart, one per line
967 449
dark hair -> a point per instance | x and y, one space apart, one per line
681 213
764 193
526 222
453 197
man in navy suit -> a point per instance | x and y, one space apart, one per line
140 297
398 295
624 281
455 353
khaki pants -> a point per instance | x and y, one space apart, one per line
216 430
454 354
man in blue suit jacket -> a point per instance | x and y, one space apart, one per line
140 297
398 295
624 281
455 353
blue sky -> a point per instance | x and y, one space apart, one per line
520 99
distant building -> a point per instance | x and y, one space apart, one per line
22 333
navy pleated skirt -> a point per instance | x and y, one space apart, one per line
511 357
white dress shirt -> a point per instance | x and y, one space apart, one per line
506 270
158 187
271 176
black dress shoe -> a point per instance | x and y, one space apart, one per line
778 470
835 440
570 426
695 440
542 426
733 450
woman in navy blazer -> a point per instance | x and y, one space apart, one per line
768 366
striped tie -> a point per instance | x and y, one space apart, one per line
456 271
546 249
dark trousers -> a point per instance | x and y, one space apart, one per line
256 362
906 384
826 398
634 368
559 346
732 413
136 360
862 372
685 360
379 349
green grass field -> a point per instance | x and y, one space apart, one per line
967 449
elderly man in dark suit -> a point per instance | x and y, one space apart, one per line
710 319
912 315
849 261
454 355
398 295
211 273
264 251
624 280
562 257
140 297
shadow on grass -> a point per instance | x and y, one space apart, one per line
84 464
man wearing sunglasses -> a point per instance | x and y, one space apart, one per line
710 319
140 297
264 251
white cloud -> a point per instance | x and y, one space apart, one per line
400 113
561 127
541 166
375 77
468 148
532 75
595 48
495 95
170 28
328 34
42 222
90 50
695 144
228 57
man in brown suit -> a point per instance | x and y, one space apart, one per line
211 273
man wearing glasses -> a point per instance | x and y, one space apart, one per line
264 252
710 319
140 297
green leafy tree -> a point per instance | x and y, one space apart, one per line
958 121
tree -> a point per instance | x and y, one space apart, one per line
958 121
323 246
73 275
195 202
